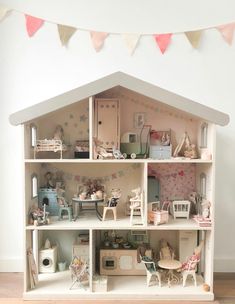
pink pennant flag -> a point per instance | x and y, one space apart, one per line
98 39
227 32
33 24
163 40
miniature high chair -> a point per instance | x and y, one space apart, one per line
137 203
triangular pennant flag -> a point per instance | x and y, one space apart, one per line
163 40
131 41
3 11
227 32
194 38
33 24
65 33
98 39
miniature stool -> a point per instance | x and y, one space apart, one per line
68 210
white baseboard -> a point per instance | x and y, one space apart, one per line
224 265
11 265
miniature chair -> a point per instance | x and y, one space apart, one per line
137 203
151 270
112 205
166 251
190 266
64 206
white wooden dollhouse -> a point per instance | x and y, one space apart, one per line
114 110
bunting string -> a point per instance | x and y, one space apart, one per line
163 41
84 178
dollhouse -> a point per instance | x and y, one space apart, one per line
119 193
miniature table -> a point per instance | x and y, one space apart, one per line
77 200
170 265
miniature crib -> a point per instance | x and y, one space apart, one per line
49 145
181 209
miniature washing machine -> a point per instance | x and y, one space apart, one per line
48 260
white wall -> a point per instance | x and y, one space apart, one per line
32 70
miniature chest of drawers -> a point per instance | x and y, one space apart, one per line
160 152
51 195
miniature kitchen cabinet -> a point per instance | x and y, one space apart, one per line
107 116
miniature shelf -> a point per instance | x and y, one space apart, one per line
92 222
97 161
56 286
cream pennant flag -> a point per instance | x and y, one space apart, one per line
194 38
33 24
131 41
65 33
98 39
227 32
163 40
3 11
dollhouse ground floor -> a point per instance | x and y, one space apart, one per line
119 274
56 286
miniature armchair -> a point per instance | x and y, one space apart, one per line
111 203
190 266
137 203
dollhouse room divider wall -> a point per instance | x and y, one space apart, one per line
151 165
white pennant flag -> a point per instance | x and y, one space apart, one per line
3 11
131 41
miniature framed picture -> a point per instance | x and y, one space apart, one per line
139 120
160 138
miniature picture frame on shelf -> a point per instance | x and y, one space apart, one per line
139 120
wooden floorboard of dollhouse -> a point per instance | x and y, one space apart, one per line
89 219
57 285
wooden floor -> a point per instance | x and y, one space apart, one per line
11 287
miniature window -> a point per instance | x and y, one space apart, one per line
204 129
34 185
203 185
33 133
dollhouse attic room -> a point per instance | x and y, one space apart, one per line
119 193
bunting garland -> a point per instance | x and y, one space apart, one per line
83 179
3 12
33 24
194 38
131 41
227 32
163 40
98 39
65 33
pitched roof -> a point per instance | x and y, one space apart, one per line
126 81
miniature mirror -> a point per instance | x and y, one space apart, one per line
203 185
204 129
153 189
34 185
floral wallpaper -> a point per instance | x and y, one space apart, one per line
176 180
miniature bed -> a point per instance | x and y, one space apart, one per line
49 145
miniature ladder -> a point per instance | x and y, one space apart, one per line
137 204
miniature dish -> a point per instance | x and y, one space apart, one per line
115 245
126 245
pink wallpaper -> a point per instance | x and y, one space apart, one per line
176 180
